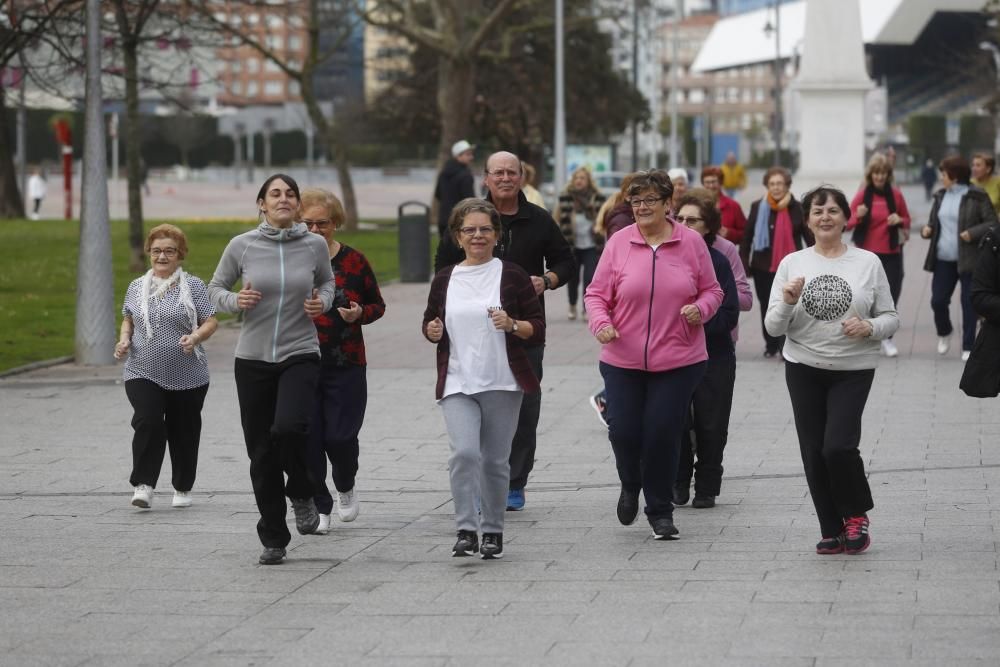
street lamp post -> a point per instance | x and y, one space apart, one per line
559 144
776 30
995 51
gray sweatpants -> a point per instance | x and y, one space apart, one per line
480 427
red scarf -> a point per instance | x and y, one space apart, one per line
784 242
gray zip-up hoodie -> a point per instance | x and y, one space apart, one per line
284 265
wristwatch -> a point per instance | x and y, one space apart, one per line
547 281
513 327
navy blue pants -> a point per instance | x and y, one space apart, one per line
276 402
339 412
946 276
647 412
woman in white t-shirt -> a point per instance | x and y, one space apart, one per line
832 302
479 312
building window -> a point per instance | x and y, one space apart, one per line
294 88
274 42
271 66
760 95
251 88
274 21
295 43
273 88
236 67
696 96
253 19
236 87
253 65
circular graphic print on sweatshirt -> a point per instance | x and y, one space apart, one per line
827 297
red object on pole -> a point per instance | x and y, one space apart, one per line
65 137
67 156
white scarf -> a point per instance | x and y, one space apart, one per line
153 287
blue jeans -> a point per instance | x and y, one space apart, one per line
946 275
646 413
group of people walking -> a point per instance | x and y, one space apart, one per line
662 298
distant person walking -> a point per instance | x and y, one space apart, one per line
679 179
286 282
654 289
481 313
167 317
37 187
960 216
983 175
734 176
733 220
929 177
342 388
579 204
528 187
833 303
881 224
530 238
775 228
454 183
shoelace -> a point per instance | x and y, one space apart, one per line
344 498
855 527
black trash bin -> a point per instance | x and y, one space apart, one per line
414 243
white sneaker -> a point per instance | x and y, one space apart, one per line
966 354
348 505
571 314
944 344
143 496
889 348
182 499
324 525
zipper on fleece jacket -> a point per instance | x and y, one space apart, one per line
281 302
649 316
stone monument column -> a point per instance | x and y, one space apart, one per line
831 84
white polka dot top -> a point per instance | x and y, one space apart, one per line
161 359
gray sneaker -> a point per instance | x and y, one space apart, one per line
272 556
306 516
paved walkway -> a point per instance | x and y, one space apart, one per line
87 580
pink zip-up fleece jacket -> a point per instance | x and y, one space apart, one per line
640 291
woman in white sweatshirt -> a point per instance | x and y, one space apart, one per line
833 304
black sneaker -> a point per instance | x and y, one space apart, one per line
467 544
272 555
682 493
703 502
664 528
492 546
306 516
628 506
830 545
856 538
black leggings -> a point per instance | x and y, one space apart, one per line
828 406
762 282
276 403
163 417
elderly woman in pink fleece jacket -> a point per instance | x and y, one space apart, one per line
653 290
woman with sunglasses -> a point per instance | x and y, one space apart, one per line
481 313
653 290
342 390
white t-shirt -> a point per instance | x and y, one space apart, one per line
582 237
477 357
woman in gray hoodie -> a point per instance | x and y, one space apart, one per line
286 281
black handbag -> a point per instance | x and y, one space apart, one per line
981 377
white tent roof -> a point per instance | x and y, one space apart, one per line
740 40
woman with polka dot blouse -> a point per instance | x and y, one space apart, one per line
167 316
833 303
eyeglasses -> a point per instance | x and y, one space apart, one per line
690 220
500 173
650 202
169 253
471 231
321 224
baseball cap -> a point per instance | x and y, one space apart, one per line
460 147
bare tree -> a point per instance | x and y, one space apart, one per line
456 30
327 26
23 26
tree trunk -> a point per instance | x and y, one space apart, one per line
11 202
133 159
455 99
336 147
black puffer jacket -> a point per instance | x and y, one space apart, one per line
986 278
454 184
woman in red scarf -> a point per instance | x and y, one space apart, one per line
775 228
881 224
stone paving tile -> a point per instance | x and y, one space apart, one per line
742 586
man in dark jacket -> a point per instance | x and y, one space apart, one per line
530 238
454 183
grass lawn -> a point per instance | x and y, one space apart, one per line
38 276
